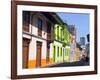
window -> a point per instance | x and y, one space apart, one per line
26 20
40 24
48 27
26 17
61 35
57 32
54 52
56 35
54 49
61 51
58 52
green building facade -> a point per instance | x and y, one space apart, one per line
61 44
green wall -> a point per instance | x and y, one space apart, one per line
62 34
61 53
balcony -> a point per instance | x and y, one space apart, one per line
26 28
40 32
48 36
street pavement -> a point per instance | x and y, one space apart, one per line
67 64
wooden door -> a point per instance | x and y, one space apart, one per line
48 52
25 53
38 55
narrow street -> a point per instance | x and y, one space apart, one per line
67 64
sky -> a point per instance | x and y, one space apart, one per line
81 22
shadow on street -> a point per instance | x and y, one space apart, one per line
67 64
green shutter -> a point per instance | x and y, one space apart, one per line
55 30
60 33
54 47
58 51
61 51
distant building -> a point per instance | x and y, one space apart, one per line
88 49
78 51
82 40
85 47
72 30
88 45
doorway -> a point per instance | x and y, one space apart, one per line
38 54
48 52
25 53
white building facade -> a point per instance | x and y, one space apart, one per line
39 47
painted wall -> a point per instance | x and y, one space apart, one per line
33 30
35 17
61 53
78 52
62 34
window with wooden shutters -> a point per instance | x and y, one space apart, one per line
40 24
26 20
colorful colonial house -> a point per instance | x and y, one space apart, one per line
46 39
61 44
62 41
37 39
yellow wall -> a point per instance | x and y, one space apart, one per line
77 54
